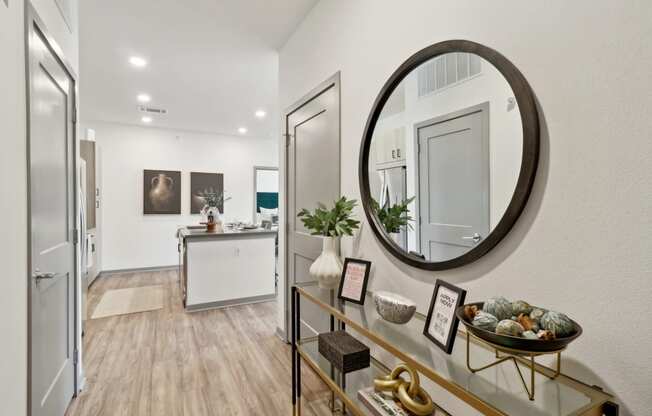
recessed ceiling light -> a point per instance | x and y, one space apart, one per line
137 61
144 98
261 113
146 119
242 130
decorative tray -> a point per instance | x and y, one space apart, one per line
514 342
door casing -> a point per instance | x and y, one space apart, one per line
331 82
34 23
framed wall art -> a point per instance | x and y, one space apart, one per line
441 323
353 284
202 184
161 192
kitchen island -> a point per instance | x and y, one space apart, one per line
230 267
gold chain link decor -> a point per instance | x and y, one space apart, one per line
410 394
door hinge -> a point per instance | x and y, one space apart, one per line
75 357
420 221
74 115
75 236
287 139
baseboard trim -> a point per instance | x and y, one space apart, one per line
135 270
234 302
281 334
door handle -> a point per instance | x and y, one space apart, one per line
38 275
398 153
393 154
475 237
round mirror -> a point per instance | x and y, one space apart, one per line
449 155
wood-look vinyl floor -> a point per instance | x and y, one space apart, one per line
168 362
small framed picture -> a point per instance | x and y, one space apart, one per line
353 284
441 323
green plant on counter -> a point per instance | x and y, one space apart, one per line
393 217
333 222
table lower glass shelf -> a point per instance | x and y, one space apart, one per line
347 391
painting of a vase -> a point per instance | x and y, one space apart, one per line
162 192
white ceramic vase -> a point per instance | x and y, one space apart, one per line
327 269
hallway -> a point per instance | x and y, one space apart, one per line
169 362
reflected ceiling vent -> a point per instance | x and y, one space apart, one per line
152 110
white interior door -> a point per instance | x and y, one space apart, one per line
313 175
52 225
454 184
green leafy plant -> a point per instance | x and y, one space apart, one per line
393 217
333 222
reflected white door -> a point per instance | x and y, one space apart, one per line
52 224
453 184
313 175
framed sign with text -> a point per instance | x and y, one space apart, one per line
441 323
353 284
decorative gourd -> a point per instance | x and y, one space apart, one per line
485 321
509 327
536 314
530 335
499 307
521 306
557 323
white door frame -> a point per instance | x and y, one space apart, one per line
331 82
256 169
482 107
34 23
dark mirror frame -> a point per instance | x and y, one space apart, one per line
529 161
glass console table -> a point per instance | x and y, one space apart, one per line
454 389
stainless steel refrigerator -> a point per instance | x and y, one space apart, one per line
393 189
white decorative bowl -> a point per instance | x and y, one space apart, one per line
394 308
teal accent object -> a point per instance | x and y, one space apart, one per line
499 307
521 306
557 323
509 327
267 200
485 321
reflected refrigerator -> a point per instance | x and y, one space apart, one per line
393 189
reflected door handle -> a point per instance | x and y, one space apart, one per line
38 275
475 237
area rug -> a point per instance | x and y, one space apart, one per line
131 300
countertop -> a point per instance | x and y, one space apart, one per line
196 233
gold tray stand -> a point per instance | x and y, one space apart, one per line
514 355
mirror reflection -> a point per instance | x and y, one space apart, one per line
445 156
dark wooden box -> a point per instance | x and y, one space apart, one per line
343 351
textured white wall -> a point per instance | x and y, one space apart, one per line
583 244
133 240
13 207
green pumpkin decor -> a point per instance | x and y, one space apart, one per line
485 321
536 314
499 307
529 335
521 306
509 327
557 323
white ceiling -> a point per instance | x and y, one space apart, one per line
211 63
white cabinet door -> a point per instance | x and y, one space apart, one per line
390 146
